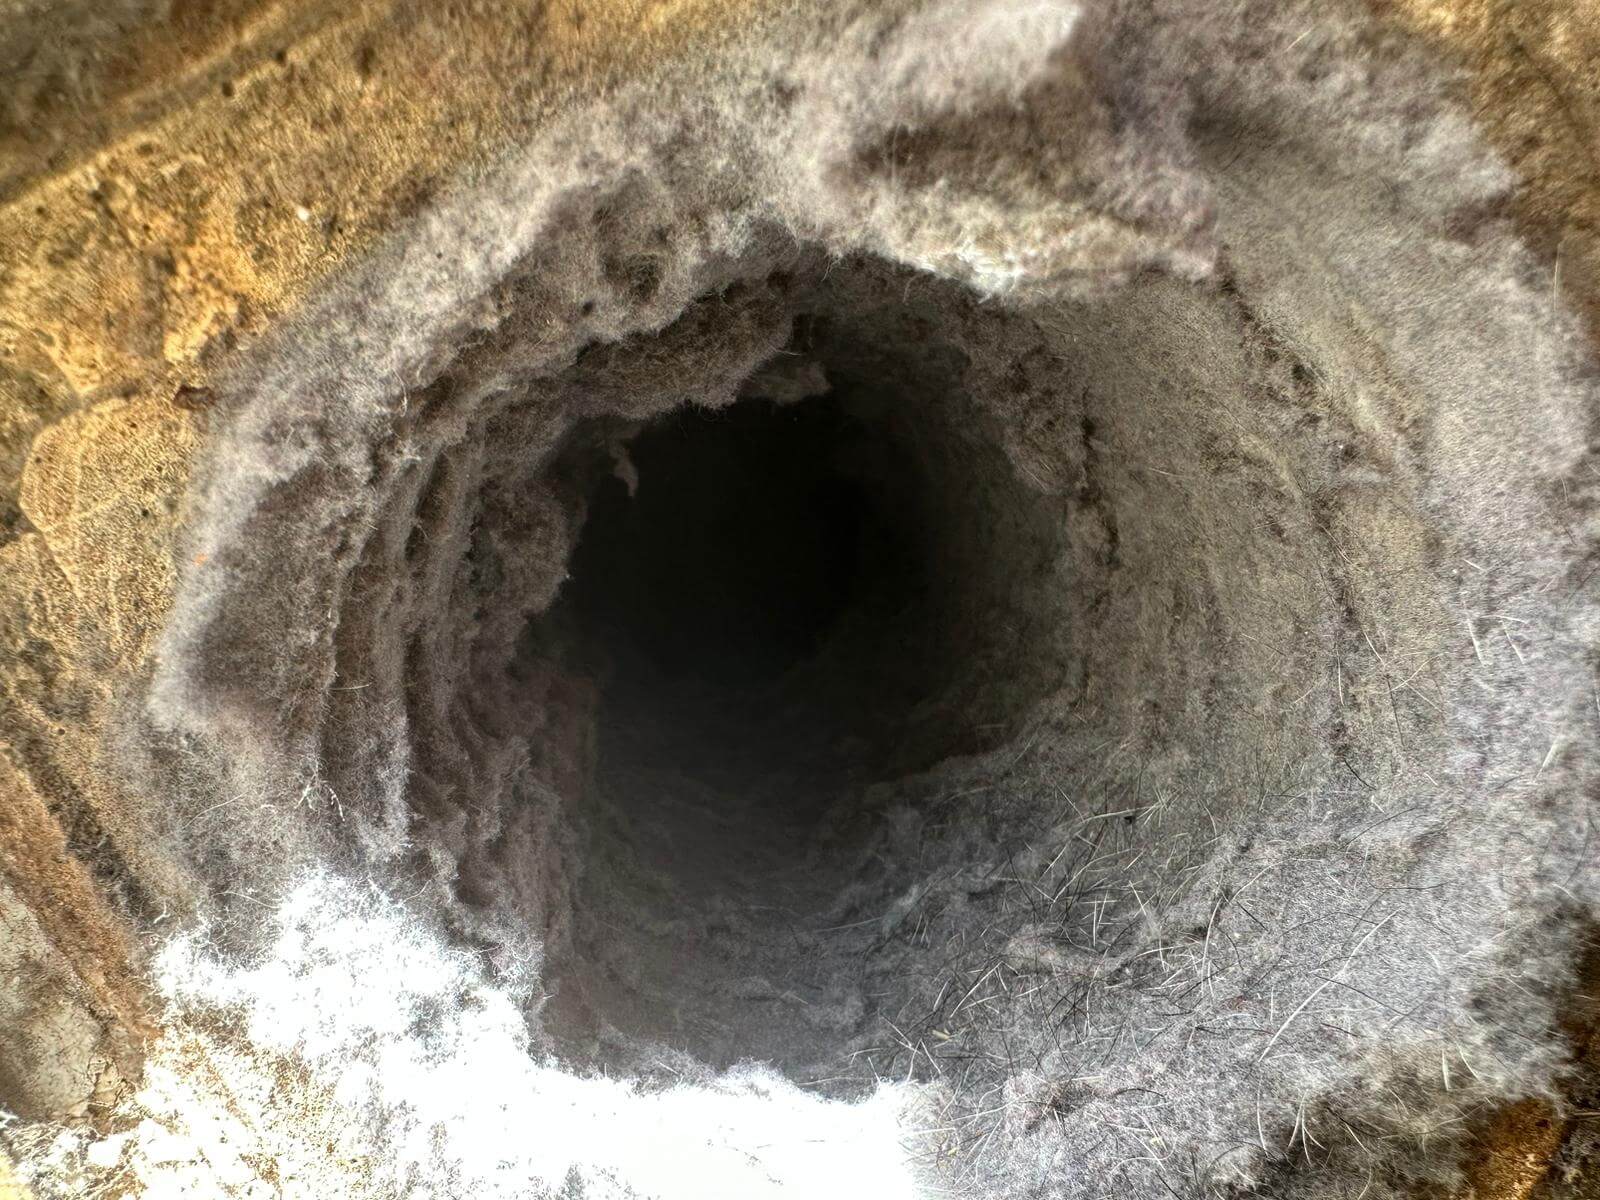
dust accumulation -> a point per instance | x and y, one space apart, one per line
972 598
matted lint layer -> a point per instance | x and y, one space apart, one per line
980 599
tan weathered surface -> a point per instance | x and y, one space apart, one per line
167 190
71 1013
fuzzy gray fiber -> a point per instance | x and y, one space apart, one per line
1237 839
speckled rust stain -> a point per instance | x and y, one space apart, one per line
1513 1151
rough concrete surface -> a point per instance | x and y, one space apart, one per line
1006 589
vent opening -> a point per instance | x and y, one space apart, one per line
778 604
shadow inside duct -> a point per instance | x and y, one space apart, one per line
780 604
756 608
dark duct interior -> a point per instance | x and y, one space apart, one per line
780 604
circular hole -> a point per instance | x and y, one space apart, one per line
774 603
